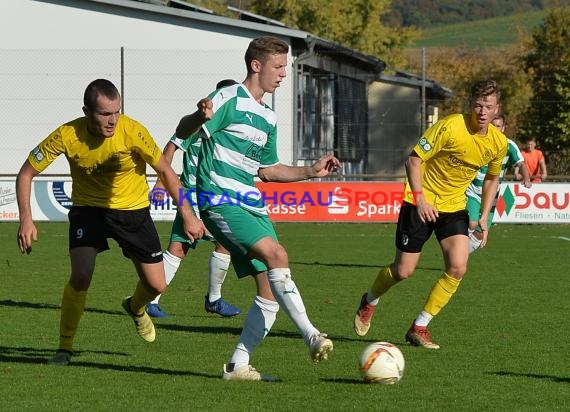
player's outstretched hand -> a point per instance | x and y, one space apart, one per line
27 233
325 165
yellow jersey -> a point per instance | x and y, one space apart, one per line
452 155
106 172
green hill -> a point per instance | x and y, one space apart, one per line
494 32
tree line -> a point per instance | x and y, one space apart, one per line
430 13
533 73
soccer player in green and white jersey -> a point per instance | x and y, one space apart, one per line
239 144
440 167
514 157
180 243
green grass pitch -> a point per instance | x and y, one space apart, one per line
503 336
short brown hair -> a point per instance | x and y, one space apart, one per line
97 87
262 47
485 88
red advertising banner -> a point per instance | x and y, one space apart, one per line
333 201
314 202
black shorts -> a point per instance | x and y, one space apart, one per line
412 233
133 230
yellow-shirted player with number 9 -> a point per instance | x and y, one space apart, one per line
107 154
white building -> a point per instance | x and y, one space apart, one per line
165 59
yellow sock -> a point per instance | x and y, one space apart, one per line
140 299
441 293
384 281
72 307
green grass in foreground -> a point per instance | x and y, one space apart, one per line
503 336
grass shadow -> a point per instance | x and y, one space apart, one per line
356 265
552 378
33 305
26 355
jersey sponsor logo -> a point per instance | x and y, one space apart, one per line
458 162
254 152
425 145
37 155
249 117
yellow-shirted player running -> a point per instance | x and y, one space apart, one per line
440 167
107 154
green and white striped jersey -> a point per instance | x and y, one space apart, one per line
512 158
191 149
240 138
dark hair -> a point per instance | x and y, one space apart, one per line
225 83
485 88
502 117
97 87
262 47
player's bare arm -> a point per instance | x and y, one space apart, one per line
517 173
193 226
191 123
168 154
27 232
426 211
525 175
282 173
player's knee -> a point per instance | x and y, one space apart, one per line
161 289
278 257
156 288
402 272
80 280
456 272
282 254
177 249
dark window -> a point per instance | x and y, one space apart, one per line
333 117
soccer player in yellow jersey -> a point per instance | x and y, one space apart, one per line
440 167
107 154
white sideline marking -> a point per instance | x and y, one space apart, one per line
564 238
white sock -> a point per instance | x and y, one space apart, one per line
258 323
289 298
171 264
217 270
474 242
423 319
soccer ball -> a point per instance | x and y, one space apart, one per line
382 362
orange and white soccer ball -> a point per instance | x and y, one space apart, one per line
382 362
